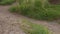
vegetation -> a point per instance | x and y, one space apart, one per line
38 9
6 2
13 9
32 28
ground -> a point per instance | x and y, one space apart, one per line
9 22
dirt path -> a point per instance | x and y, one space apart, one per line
8 20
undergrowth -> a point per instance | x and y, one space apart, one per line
38 9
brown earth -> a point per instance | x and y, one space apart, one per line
54 1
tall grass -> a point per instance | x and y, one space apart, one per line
38 9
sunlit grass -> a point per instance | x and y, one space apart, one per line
32 28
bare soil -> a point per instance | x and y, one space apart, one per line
54 1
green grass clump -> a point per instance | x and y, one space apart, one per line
32 28
13 9
6 2
39 9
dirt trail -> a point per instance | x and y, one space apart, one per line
8 22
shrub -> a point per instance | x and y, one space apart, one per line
35 9
6 2
32 28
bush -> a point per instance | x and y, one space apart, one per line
35 9
32 28
6 2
